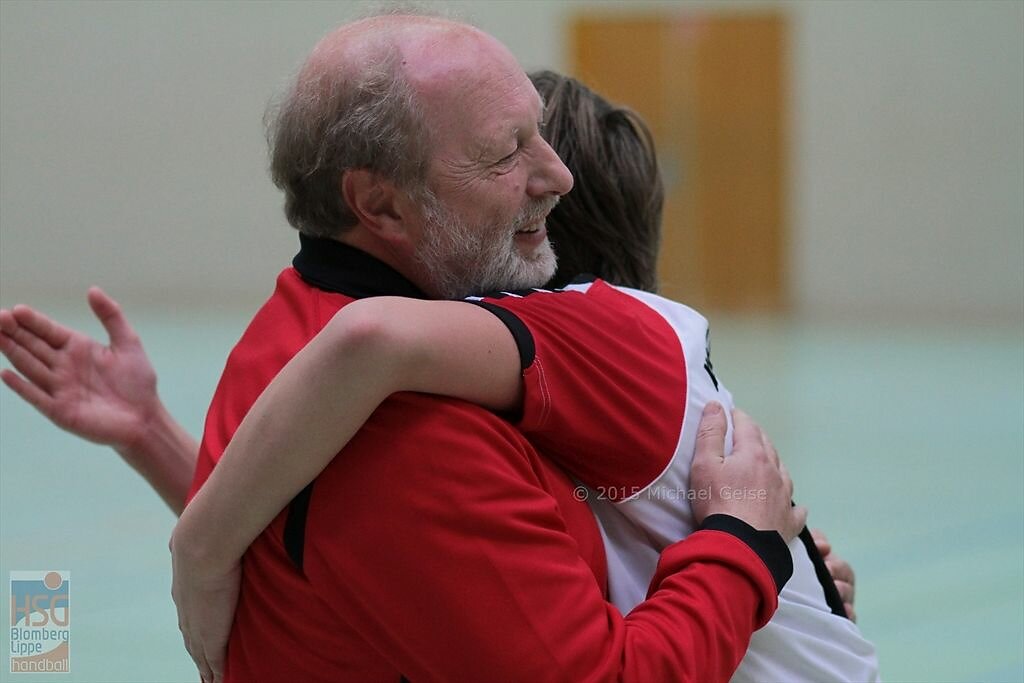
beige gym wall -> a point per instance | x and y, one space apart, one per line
131 149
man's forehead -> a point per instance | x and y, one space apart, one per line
428 46
473 90
498 126
360 45
448 59
485 101
530 113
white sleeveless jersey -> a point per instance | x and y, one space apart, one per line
619 409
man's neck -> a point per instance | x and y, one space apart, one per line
335 266
382 250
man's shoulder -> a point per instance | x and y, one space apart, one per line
294 312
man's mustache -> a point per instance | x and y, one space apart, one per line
535 212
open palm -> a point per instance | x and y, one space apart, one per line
105 394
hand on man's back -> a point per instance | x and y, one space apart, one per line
750 484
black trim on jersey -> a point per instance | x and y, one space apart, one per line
520 332
828 584
708 368
333 266
517 293
295 526
582 279
520 293
768 545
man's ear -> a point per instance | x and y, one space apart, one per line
375 201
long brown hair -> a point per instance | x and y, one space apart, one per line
609 225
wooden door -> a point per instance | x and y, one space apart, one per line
713 89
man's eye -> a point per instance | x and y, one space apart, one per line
509 158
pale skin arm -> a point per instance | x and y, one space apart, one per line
105 394
370 350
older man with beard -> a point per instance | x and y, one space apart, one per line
440 545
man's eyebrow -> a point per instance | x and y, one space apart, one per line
485 148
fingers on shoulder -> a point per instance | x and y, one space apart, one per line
711 431
745 431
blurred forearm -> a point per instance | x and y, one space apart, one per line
165 455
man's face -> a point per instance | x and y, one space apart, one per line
492 179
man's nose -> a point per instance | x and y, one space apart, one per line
550 177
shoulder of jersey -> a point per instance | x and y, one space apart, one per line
521 293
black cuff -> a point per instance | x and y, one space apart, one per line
520 332
768 545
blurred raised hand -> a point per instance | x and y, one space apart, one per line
103 393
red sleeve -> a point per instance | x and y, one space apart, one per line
438 537
605 383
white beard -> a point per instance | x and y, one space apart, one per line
461 259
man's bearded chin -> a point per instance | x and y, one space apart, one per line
461 259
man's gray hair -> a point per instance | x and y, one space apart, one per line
339 119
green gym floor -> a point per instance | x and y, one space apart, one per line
907 445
